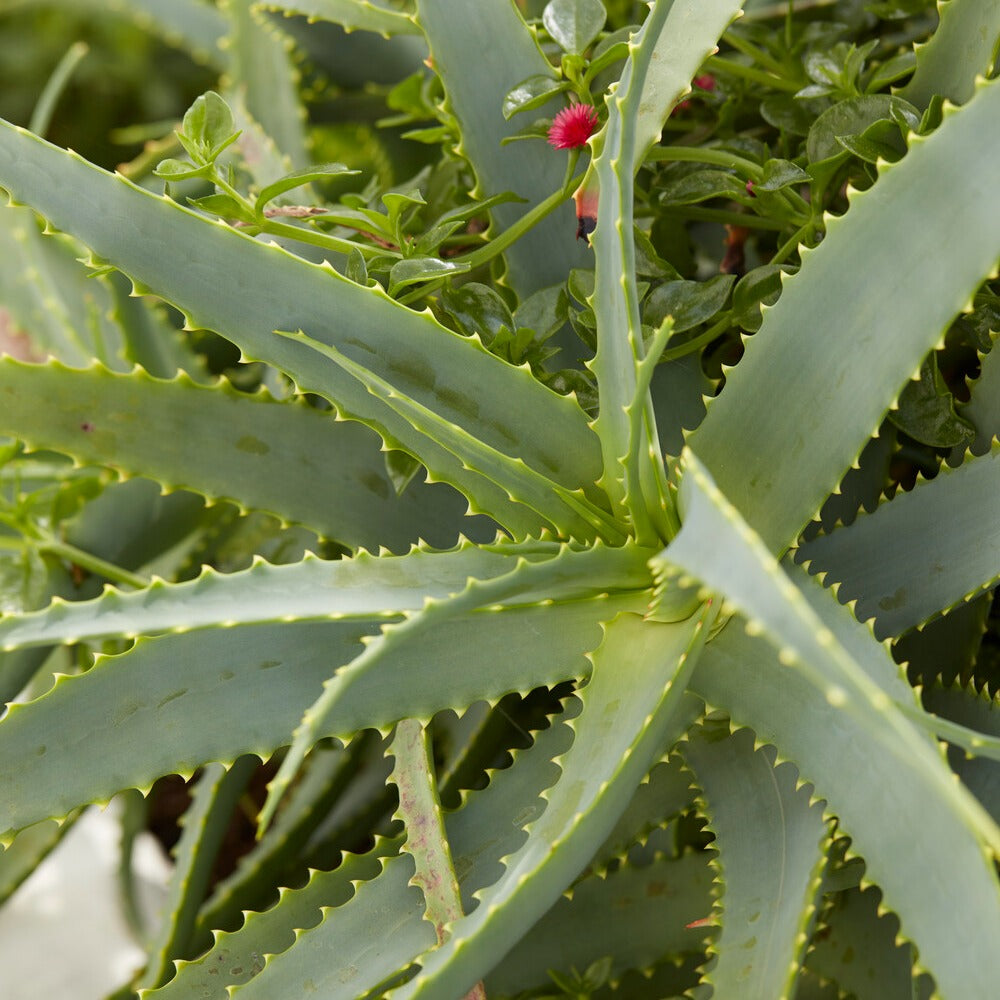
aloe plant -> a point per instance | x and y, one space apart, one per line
403 527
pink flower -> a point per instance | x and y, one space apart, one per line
573 126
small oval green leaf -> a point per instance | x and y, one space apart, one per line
689 302
180 170
702 185
477 309
298 179
531 93
417 269
850 117
574 24
779 174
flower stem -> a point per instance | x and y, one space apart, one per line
527 221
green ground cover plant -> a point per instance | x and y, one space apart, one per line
530 468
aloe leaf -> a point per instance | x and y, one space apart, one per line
622 729
808 610
771 841
572 515
394 658
858 950
352 15
420 810
134 525
652 907
158 710
455 376
238 956
28 850
687 33
365 587
251 886
487 827
484 830
489 45
778 472
978 710
983 407
959 50
678 390
833 717
945 650
890 821
363 959
491 823
670 43
667 791
50 297
151 341
204 826
227 444
260 68
877 562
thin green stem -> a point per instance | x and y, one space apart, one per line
91 563
788 247
756 54
716 64
323 240
571 162
527 221
41 117
421 292
726 159
702 340
223 185
724 216
699 154
302 234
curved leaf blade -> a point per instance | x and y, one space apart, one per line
452 375
959 50
621 731
771 842
366 587
663 55
571 578
897 563
833 718
652 907
286 458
